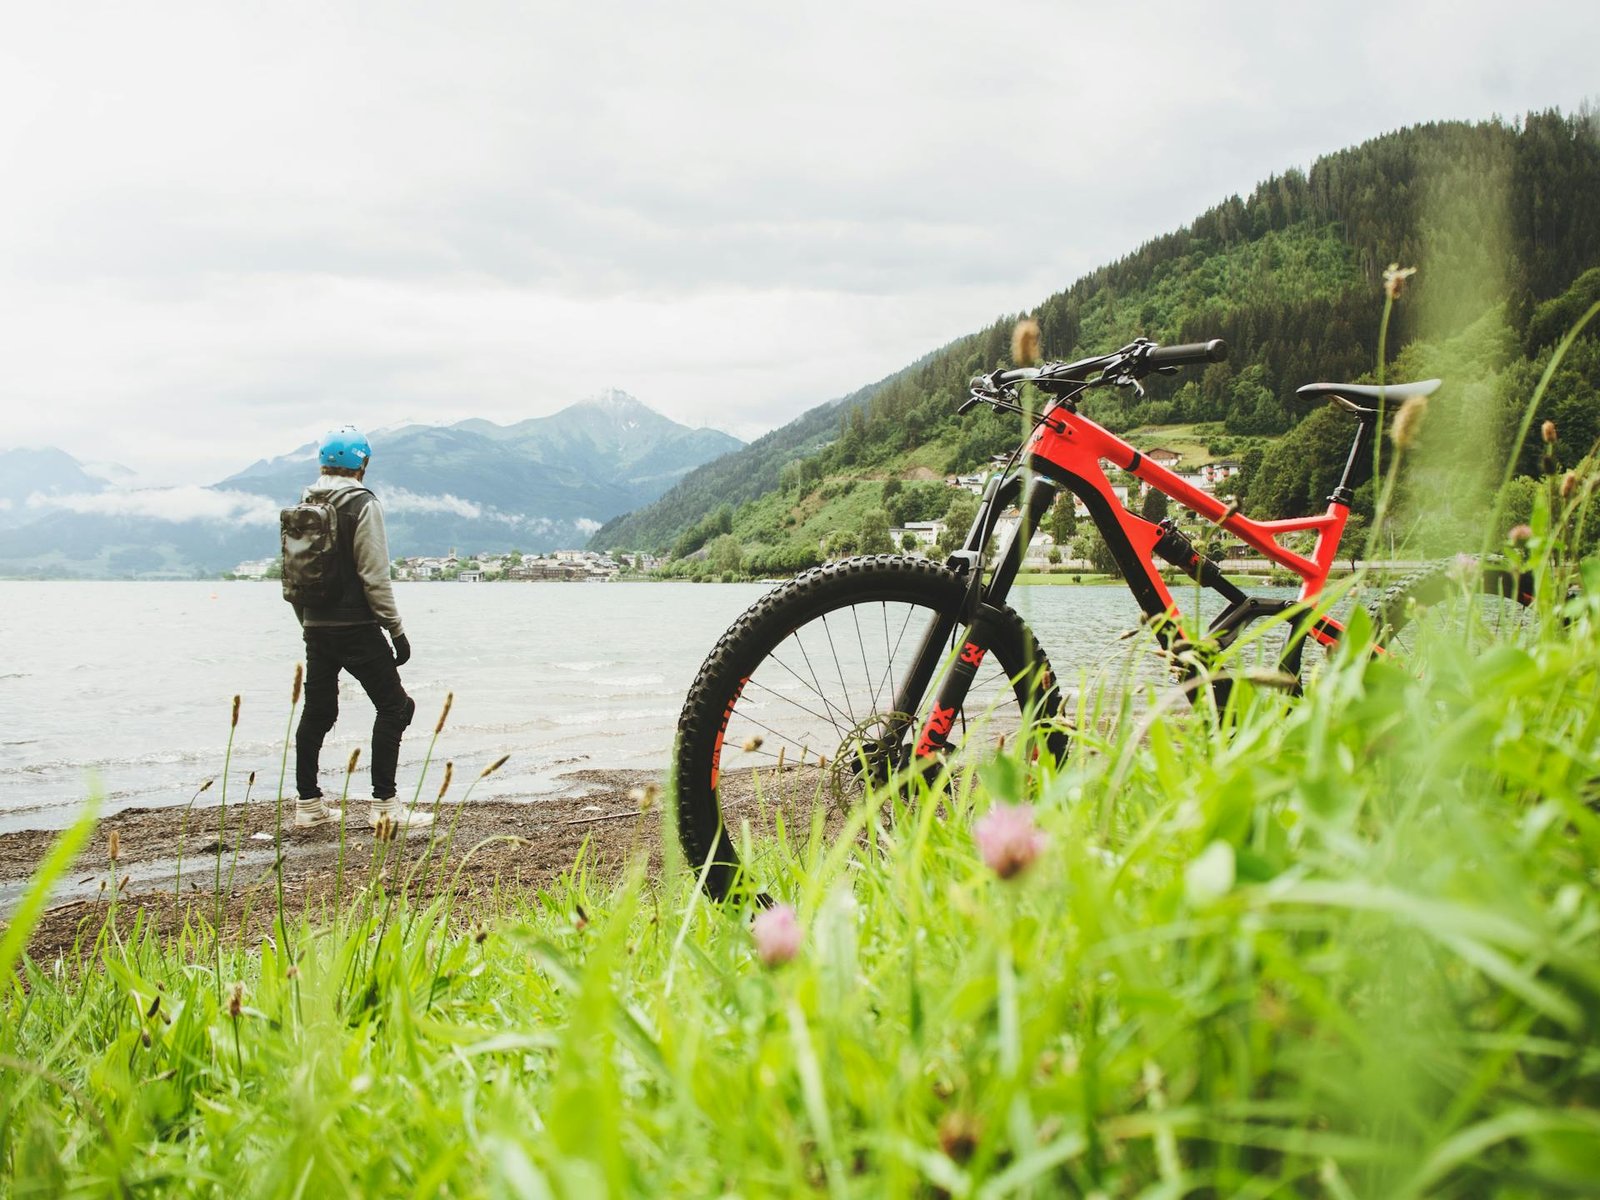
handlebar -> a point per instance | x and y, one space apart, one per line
1188 355
1006 378
1125 366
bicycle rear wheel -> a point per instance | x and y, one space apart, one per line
795 707
1461 603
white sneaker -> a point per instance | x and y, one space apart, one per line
393 815
308 814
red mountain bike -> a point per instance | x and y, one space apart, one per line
869 666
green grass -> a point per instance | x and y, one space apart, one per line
1344 946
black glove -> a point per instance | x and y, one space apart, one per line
402 650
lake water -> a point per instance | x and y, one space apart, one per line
127 687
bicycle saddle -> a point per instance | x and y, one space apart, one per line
1388 393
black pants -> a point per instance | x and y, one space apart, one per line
364 652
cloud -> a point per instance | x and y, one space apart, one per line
735 214
186 503
399 500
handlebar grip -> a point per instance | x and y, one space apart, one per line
1015 375
1191 354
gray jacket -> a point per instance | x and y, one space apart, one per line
371 546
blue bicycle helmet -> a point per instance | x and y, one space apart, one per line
345 447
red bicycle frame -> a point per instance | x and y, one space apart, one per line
1069 448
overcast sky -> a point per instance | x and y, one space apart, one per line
225 227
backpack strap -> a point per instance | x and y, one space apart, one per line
350 502
337 499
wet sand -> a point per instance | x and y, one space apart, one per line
482 853
480 849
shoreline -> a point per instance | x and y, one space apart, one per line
170 861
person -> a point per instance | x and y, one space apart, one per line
347 635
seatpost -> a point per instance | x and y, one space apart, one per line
1358 453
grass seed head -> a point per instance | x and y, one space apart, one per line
449 699
233 721
494 766
752 743
449 773
299 679
1025 343
1569 484
645 797
1519 535
1547 431
206 786
1394 279
355 757
1408 422
236 1001
251 782
114 846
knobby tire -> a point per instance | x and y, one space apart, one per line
798 636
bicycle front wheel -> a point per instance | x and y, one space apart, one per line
801 703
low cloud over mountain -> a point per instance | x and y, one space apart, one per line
537 485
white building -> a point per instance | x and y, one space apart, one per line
927 533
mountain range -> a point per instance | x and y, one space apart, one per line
537 485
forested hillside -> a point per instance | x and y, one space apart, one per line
1500 220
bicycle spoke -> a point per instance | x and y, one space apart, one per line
792 703
856 621
782 737
816 684
893 655
837 666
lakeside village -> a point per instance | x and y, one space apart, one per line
589 566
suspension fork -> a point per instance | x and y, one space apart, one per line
968 562
982 600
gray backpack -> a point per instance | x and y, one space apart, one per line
312 575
